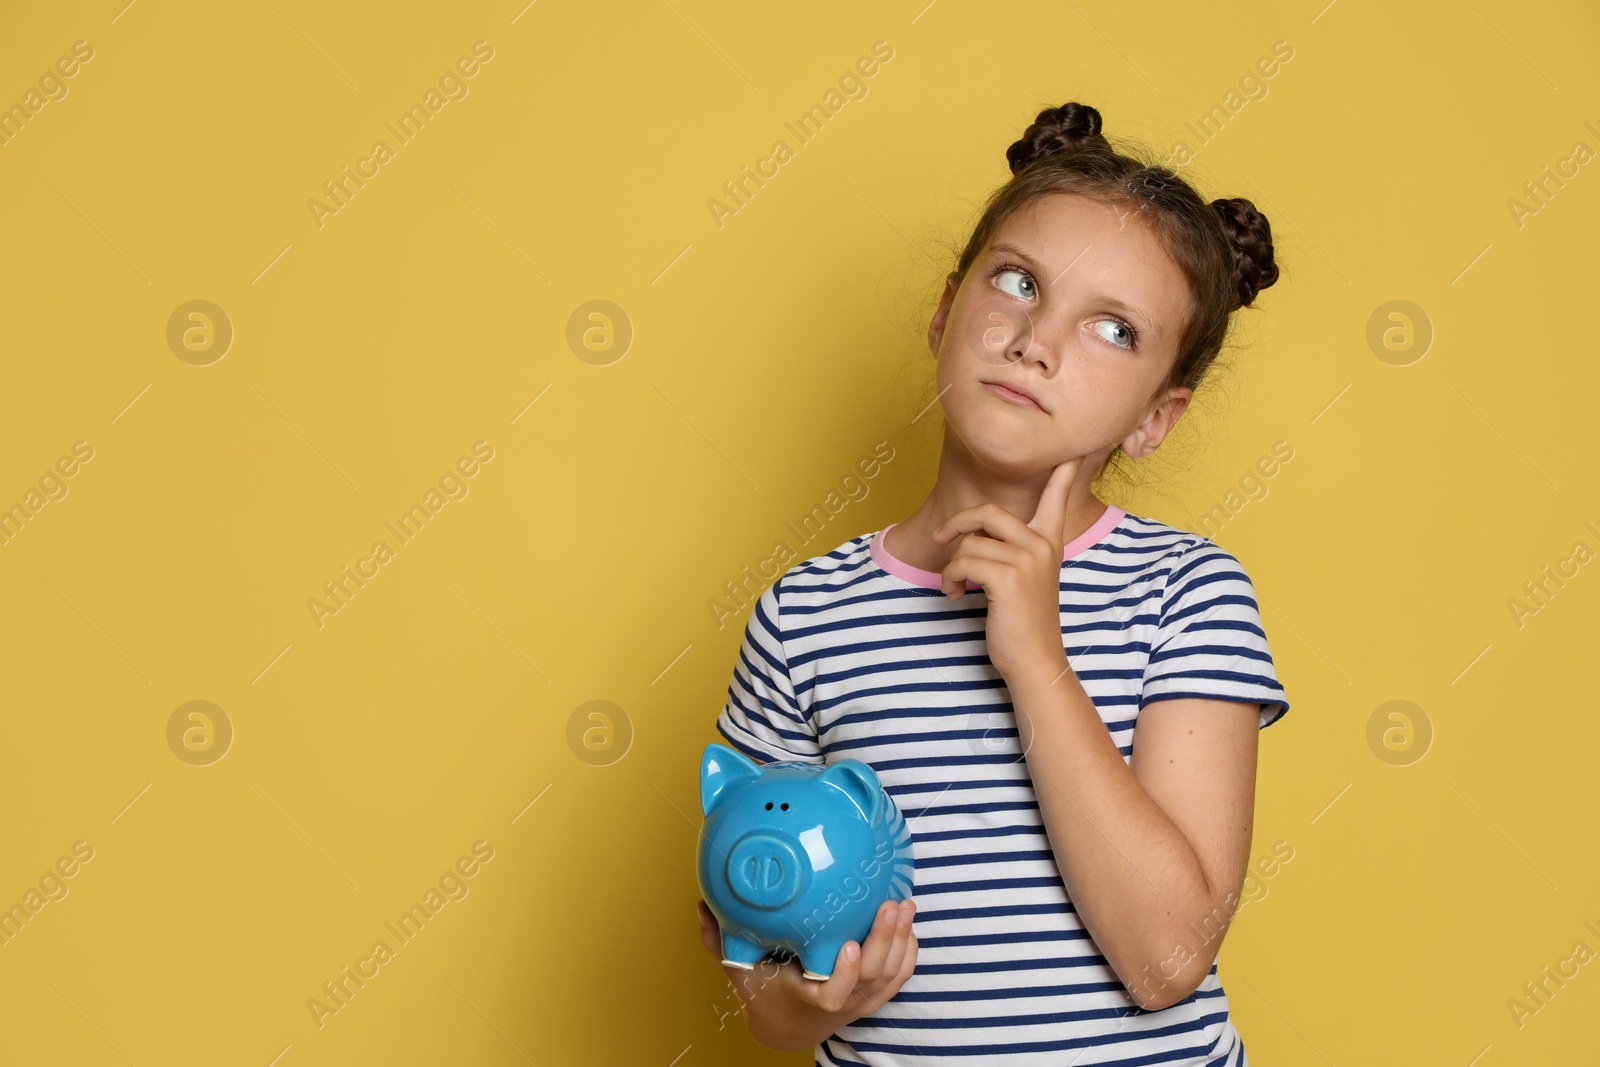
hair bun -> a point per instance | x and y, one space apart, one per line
1250 236
1055 128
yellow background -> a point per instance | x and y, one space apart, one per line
769 355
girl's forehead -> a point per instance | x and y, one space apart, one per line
1057 220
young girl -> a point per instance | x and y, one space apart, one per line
1062 697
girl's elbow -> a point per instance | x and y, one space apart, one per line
1166 996
1161 985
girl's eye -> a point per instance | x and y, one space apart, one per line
1024 283
1120 333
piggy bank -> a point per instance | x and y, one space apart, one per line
797 857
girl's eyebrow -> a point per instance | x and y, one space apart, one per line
1144 317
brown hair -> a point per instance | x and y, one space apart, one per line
1223 248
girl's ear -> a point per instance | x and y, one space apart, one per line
936 326
721 768
1148 435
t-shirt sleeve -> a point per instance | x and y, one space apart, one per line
762 717
1209 641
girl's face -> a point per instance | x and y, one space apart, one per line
1076 303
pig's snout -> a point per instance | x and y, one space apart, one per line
765 870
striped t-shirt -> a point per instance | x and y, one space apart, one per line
854 653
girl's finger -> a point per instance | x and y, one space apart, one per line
710 931
834 994
908 964
951 586
879 938
970 568
983 546
992 519
1051 514
973 545
897 951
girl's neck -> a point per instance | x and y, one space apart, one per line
960 485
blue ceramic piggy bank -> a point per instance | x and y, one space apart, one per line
797 856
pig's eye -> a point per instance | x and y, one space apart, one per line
786 807
769 805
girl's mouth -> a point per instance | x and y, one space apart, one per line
1011 396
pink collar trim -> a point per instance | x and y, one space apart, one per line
931 579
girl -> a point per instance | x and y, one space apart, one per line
1062 697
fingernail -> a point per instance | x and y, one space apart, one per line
852 951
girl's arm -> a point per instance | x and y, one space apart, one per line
1153 854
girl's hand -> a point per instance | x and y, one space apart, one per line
1019 566
787 1003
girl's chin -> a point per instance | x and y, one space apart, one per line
1006 453
1010 459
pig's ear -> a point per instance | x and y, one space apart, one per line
720 768
858 782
